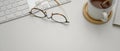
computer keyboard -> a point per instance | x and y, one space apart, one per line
13 9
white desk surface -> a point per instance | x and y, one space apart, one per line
33 34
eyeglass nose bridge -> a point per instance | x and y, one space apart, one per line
45 13
50 16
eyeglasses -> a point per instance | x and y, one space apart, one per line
57 17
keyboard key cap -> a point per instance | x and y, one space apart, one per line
8 12
3 8
6 2
22 7
52 3
18 14
8 6
45 5
15 5
2 13
13 10
1 4
25 11
10 16
2 19
22 2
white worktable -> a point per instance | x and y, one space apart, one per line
33 34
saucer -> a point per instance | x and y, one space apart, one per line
92 20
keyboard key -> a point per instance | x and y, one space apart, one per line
8 6
52 3
2 13
6 2
45 5
1 0
11 1
10 16
22 2
18 14
1 4
2 19
25 11
3 8
13 10
15 5
22 7
18 0
8 12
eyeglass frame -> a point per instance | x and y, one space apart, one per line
51 17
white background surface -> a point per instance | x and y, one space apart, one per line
33 34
